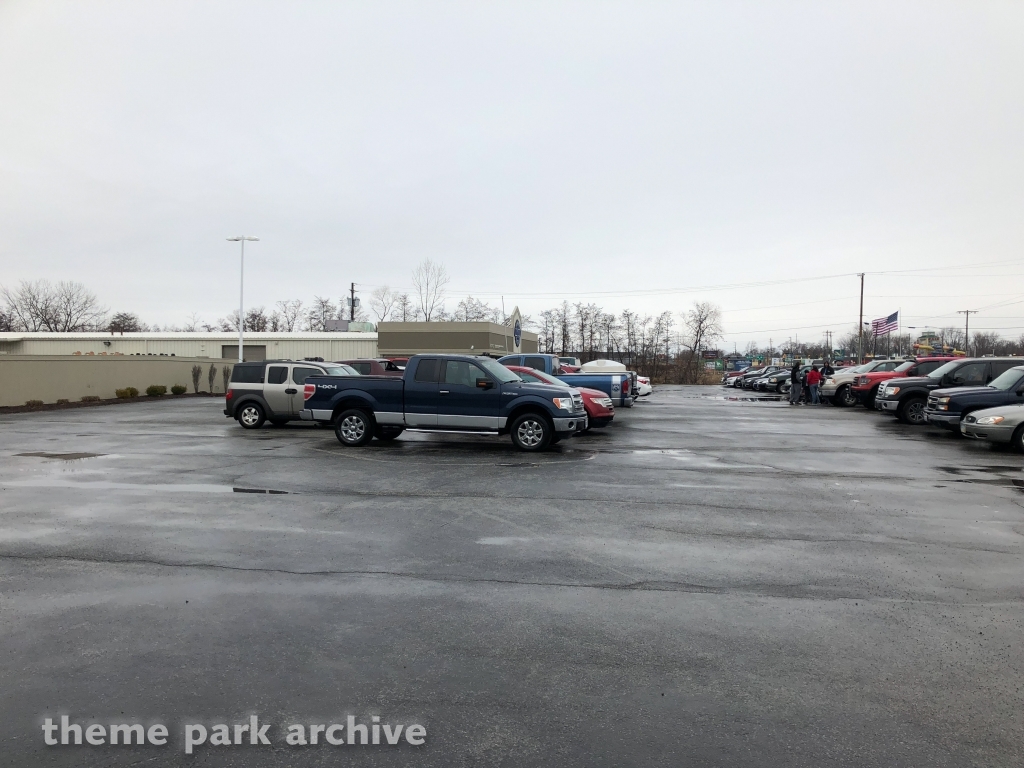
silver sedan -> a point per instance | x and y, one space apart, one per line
1004 424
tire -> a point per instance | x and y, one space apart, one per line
531 432
251 415
869 399
387 434
278 422
911 411
1017 441
554 440
354 428
845 397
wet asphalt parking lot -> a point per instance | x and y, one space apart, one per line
708 582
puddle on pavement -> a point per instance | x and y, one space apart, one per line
61 456
992 469
258 490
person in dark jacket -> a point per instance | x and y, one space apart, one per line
795 384
827 370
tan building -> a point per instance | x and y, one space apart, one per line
491 339
258 346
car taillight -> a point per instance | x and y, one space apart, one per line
307 391
229 394
625 387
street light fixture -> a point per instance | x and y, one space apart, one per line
241 292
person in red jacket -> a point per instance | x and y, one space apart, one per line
813 382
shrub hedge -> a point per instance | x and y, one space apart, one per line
156 390
179 389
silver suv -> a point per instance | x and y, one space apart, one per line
271 390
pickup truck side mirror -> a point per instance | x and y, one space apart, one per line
484 383
1020 391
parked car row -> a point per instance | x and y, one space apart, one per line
979 398
364 399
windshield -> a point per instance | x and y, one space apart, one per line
542 377
341 370
496 369
942 370
1008 379
906 366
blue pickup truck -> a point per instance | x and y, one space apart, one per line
620 387
452 393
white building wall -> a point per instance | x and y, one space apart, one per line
330 346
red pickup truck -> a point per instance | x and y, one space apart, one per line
865 386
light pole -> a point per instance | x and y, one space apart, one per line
241 293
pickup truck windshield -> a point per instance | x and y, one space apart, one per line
1007 379
496 369
341 370
906 366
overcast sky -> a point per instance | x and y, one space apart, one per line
596 151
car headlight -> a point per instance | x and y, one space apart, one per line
603 401
891 390
942 400
773 380
830 381
563 403
990 420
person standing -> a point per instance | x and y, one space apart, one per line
813 382
794 383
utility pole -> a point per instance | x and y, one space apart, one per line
860 324
352 303
967 327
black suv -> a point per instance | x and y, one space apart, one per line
271 390
907 398
947 407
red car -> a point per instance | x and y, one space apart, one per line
375 367
598 405
866 385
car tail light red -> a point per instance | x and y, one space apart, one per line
229 394
307 391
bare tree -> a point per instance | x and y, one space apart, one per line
193 323
62 307
256 320
125 322
702 328
430 280
225 372
383 303
404 310
472 310
322 310
197 374
290 313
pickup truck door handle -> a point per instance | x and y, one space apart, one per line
290 391
443 392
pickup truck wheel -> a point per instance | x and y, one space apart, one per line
1017 441
251 416
868 401
846 397
353 428
531 432
911 411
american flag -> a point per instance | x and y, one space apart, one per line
884 325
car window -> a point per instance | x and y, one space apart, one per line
277 374
970 374
923 369
301 373
462 373
497 370
247 374
534 362
943 369
906 366
512 360
889 365
1008 379
341 370
364 369
390 366
1001 366
427 369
